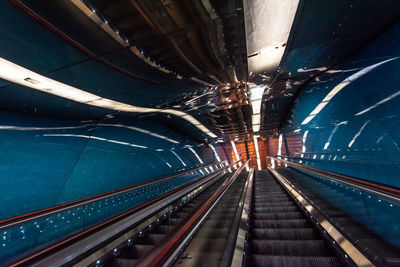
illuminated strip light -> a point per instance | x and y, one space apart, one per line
340 86
358 133
235 151
304 139
379 103
180 159
257 152
20 75
328 142
197 156
215 152
140 130
96 138
28 128
280 145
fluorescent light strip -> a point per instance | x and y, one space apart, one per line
304 139
280 145
257 153
358 133
140 130
29 128
379 103
180 159
197 156
235 151
332 133
96 138
340 86
17 74
215 152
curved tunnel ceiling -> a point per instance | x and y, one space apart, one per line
226 69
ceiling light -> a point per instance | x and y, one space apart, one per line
17 74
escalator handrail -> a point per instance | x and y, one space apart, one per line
74 238
170 246
375 188
13 221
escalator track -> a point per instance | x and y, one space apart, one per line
161 230
280 234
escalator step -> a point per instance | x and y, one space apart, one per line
278 216
284 261
275 204
123 262
295 223
275 209
286 234
290 247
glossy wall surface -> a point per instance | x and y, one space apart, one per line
45 162
347 120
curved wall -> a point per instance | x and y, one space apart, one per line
347 120
45 162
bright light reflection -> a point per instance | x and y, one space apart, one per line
235 151
328 142
257 152
379 103
179 158
215 152
340 86
304 139
358 133
20 75
96 138
197 156
31 128
280 145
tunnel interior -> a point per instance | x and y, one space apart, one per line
100 97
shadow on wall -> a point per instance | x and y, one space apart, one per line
347 120
45 162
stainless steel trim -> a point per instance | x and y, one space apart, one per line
172 258
238 255
81 247
351 251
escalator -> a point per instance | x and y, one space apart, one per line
212 245
345 207
280 234
161 230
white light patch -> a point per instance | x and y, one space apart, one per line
358 133
328 142
280 145
96 138
235 151
257 152
156 135
179 158
17 74
379 103
215 152
197 156
267 32
31 128
340 86
304 139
